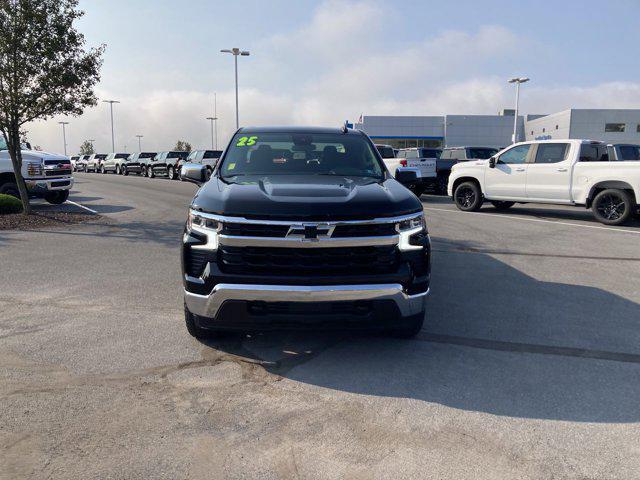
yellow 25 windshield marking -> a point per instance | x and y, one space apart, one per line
246 141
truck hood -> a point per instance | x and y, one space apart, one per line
39 155
305 197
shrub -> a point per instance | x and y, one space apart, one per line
9 204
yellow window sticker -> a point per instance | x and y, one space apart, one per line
231 166
246 141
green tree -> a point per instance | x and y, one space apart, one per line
45 69
86 148
182 146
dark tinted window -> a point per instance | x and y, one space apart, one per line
430 153
615 127
594 153
122 155
551 152
385 151
178 155
147 155
629 152
481 153
101 156
212 153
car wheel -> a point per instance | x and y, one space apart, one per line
209 172
124 170
612 206
468 197
10 188
118 170
142 172
171 173
150 173
102 170
56 198
409 326
502 205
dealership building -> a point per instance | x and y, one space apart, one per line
608 125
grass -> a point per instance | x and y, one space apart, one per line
9 204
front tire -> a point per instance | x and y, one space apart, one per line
124 170
410 326
171 173
102 170
468 197
118 171
150 173
498 205
612 207
142 172
57 198
10 188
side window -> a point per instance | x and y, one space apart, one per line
594 153
629 152
401 154
412 154
551 152
515 155
445 155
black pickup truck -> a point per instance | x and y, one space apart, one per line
303 227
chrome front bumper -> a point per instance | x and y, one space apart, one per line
209 305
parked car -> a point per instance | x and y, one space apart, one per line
81 163
74 160
209 158
622 152
166 163
424 161
301 226
138 163
94 162
46 175
114 162
563 172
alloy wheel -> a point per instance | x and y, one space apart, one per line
465 197
611 207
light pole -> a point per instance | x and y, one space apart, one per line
113 140
212 119
139 142
235 52
64 136
517 81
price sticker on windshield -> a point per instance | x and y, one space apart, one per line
246 141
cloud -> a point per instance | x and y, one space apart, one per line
346 59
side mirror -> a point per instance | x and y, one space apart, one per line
194 173
407 176
492 162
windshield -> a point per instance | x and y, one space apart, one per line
481 153
301 154
386 151
178 155
101 156
122 155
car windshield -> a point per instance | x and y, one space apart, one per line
122 155
101 156
301 154
385 151
481 153
178 155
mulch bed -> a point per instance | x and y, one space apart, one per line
43 219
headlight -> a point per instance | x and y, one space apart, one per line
411 223
200 222
411 229
34 169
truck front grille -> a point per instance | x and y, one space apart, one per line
58 172
308 261
280 231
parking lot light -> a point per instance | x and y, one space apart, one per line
139 142
64 136
113 141
517 81
235 52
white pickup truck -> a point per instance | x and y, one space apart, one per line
562 172
421 160
46 175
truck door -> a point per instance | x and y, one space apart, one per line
509 177
549 175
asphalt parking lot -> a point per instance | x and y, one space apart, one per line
528 366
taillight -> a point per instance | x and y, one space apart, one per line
403 163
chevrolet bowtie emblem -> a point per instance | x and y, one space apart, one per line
310 231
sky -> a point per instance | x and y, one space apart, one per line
323 62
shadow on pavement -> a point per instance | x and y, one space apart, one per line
495 341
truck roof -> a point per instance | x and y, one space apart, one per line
284 129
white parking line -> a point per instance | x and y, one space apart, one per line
81 206
620 230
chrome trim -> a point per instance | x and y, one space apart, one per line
297 242
222 218
209 305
